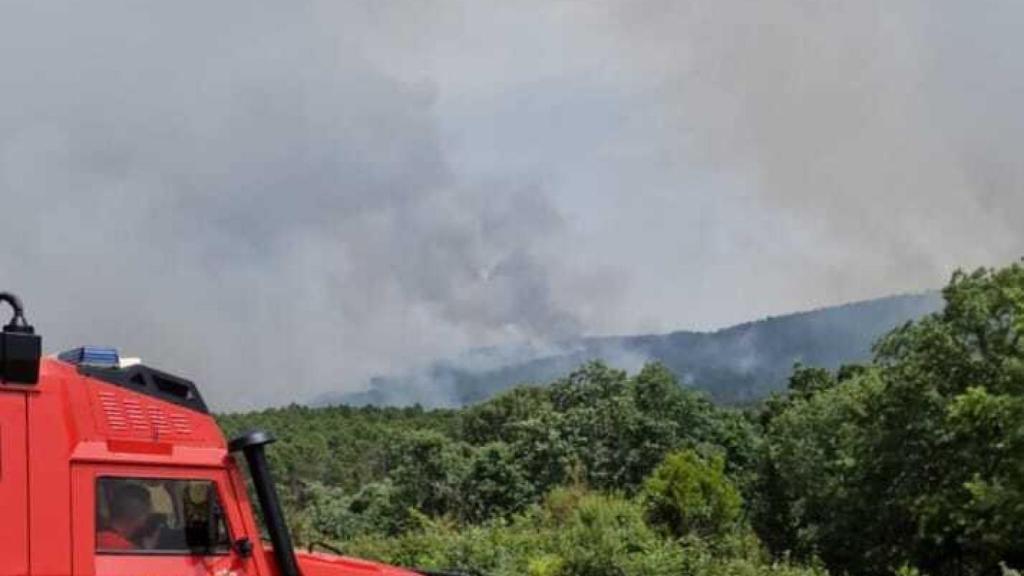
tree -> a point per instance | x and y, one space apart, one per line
916 460
428 472
687 495
494 485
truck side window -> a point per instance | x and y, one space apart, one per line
159 516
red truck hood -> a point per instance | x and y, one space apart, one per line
317 564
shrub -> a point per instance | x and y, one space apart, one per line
687 495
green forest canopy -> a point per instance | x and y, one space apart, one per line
912 462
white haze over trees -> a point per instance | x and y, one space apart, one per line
284 199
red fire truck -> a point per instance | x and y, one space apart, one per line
109 468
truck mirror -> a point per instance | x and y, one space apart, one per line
243 546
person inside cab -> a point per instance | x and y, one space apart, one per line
129 525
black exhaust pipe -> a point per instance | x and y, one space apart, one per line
252 444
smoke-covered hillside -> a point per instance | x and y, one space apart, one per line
735 365
909 466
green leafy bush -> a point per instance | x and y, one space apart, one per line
687 495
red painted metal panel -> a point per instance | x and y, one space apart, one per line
50 436
119 414
13 484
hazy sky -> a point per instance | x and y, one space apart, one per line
283 198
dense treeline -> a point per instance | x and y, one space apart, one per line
916 459
913 462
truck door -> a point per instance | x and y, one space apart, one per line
131 520
13 484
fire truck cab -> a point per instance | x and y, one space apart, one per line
109 468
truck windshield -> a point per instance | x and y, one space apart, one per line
159 516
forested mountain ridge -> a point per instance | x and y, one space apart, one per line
735 365
909 463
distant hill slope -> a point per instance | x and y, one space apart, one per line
739 364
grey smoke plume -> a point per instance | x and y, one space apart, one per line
285 200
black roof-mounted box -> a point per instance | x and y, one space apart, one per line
20 347
20 353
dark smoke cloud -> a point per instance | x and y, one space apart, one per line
281 200
232 195
887 130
